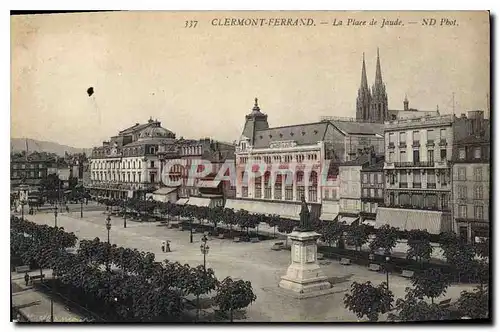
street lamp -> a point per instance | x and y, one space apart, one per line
204 250
108 227
55 216
22 209
387 259
124 214
190 230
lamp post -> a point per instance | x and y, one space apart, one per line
124 214
204 250
55 216
108 227
387 259
22 209
190 230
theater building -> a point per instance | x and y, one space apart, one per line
127 165
277 166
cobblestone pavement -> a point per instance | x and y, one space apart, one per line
255 262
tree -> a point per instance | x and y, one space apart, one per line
430 283
414 308
419 245
358 235
234 295
474 304
333 232
385 238
368 300
201 282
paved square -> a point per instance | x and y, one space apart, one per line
255 262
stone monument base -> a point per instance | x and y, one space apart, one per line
304 275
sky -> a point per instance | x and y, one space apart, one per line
202 81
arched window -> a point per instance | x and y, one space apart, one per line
299 179
313 187
267 185
258 187
288 183
277 186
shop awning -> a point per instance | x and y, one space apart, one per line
347 220
208 183
406 219
284 210
182 201
329 211
165 190
199 201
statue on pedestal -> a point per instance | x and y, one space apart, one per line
305 218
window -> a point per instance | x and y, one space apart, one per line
461 154
430 156
416 156
416 136
392 178
243 145
442 134
372 192
402 137
23 166
391 157
417 182
478 174
267 185
431 179
391 138
432 201
313 187
365 192
133 177
379 193
372 178
40 174
477 153
430 136
478 192
462 192
152 164
258 187
402 157
365 178
379 178
326 195
478 212
461 173
277 187
244 191
288 186
443 155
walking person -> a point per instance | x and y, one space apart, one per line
26 278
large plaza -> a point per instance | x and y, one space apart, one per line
255 262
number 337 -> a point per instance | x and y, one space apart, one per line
191 24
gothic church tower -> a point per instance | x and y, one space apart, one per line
364 96
379 111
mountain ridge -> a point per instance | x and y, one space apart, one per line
19 144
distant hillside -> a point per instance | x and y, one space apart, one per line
19 144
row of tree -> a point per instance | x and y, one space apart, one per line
457 252
129 285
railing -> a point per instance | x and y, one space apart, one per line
443 142
402 145
430 143
391 145
431 185
417 185
414 164
403 185
416 144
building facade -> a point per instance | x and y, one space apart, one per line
471 179
276 167
30 170
127 165
372 191
417 173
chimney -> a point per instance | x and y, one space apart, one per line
406 103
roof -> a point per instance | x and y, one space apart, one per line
134 128
303 134
155 140
474 140
378 166
359 128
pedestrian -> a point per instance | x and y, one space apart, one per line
26 278
67 208
168 246
163 247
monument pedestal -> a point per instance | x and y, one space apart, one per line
304 275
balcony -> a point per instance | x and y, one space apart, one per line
391 145
414 164
430 143
431 185
402 145
417 185
403 185
416 144
442 142
442 164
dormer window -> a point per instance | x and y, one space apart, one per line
281 135
315 132
303 133
291 134
243 145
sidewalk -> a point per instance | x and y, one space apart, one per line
34 305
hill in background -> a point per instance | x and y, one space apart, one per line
19 144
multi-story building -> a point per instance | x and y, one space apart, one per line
417 171
276 167
331 194
184 156
372 191
127 165
31 169
471 179
351 187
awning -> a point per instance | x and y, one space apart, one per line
208 183
182 201
347 220
165 190
284 210
329 211
406 219
199 201
369 223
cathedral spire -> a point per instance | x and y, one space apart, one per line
378 73
364 80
